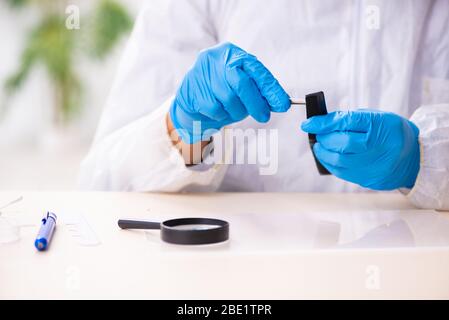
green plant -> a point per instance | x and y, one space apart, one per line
51 44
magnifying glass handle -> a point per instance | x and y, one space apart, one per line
134 224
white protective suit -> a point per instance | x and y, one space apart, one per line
398 63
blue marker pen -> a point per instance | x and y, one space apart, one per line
45 232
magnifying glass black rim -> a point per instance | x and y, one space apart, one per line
170 234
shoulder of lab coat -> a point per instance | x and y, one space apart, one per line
132 150
431 188
165 41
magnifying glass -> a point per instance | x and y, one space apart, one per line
184 230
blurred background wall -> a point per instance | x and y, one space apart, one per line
38 151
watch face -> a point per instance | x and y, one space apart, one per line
316 106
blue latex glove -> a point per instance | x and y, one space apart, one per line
375 149
225 85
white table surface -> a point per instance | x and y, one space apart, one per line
282 246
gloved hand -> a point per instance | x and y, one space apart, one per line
375 149
225 85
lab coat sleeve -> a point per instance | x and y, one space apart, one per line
132 150
431 188
140 157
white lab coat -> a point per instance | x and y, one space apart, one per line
398 63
